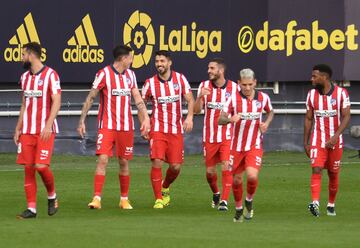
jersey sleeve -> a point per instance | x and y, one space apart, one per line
345 99
229 105
99 81
185 85
267 104
132 77
55 87
146 91
308 102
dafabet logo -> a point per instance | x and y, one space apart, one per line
83 46
139 34
25 33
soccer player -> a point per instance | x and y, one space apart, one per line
327 116
212 95
116 84
165 90
246 145
36 127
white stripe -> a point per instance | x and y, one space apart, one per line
220 127
108 86
27 103
44 98
164 108
186 85
338 101
322 124
173 108
155 107
118 101
98 79
312 100
202 85
242 125
34 106
212 113
251 129
126 108
331 119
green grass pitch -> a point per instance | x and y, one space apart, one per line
281 217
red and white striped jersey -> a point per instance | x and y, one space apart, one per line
214 103
327 113
115 98
37 91
166 97
247 135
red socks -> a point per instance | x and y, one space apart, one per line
30 186
48 179
238 192
212 180
171 175
315 186
124 185
98 184
251 188
333 186
226 184
156 177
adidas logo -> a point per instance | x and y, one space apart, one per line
81 42
25 33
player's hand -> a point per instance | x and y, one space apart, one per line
45 133
307 150
81 129
145 129
263 127
235 118
17 136
204 92
188 125
332 141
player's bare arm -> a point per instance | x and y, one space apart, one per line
55 107
264 125
224 118
199 103
142 113
85 109
19 122
188 123
345 120
309 118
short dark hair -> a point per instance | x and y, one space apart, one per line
324 69
120 51
34 48
165 53
219 61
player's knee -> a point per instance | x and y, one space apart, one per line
225 166
175 167
211 170
102 161
157 163
237 179
39 166
316 170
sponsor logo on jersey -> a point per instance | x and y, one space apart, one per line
325 113
215 105
120 92
33 93
168 99
250 116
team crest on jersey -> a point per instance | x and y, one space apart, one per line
258 104
40 82
227 94
176 86
128 81
333 102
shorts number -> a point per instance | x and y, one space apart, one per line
100 137
19 148
231 160
313 153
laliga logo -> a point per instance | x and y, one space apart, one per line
139 24
300 39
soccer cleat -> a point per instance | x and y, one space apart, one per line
238 215
125 204
215 200
27 214
330 211
52 206
95 203
314 209
223 206
165 196
248 211
158 204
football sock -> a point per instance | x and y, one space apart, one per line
315 186
251 188
171 175
212 180
48 179
98 184
238 192
226 180
156 177
30 186
124 185
333 186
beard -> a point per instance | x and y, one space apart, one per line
26 65
162 70
319 87
214 77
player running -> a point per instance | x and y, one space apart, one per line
327 116
165 90
36 127
116 84
212 96
246 146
